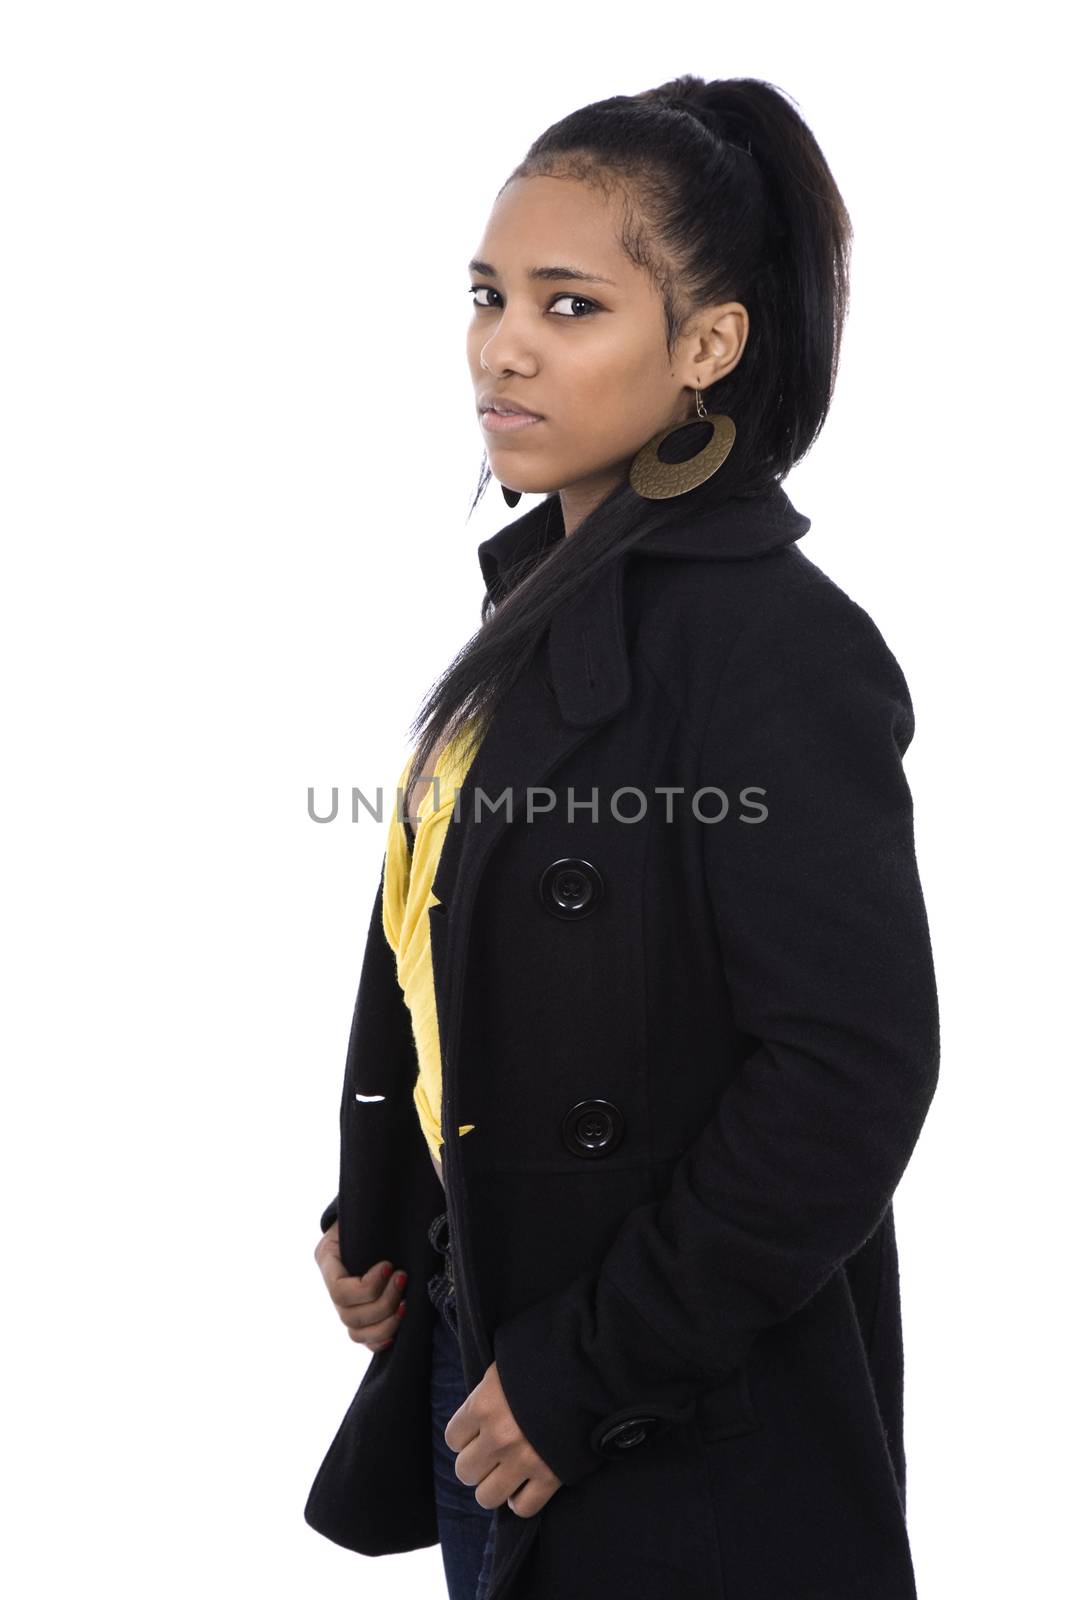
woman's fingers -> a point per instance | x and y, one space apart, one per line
371 1304
376 1321
350 1290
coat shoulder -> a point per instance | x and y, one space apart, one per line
692 617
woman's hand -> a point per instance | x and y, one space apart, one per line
495 1454
369 1306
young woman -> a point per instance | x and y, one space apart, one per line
647 1024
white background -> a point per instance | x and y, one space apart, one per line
239 446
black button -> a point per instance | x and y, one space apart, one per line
592 1128
624 1435
570 887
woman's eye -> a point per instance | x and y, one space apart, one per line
484 288
578 299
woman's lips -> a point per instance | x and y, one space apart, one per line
507 422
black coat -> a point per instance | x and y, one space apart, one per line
697 1056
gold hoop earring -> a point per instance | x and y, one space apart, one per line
654 479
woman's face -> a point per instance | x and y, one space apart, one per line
588 356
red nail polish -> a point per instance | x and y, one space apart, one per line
402 1308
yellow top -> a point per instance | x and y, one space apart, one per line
409 874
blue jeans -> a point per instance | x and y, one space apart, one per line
465 1527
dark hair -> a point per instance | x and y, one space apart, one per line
727 196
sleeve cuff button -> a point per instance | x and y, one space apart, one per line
624 1435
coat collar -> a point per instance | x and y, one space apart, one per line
587 638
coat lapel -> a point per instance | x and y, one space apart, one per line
590 668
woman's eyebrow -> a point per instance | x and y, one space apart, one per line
553 273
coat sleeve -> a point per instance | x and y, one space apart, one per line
825 943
